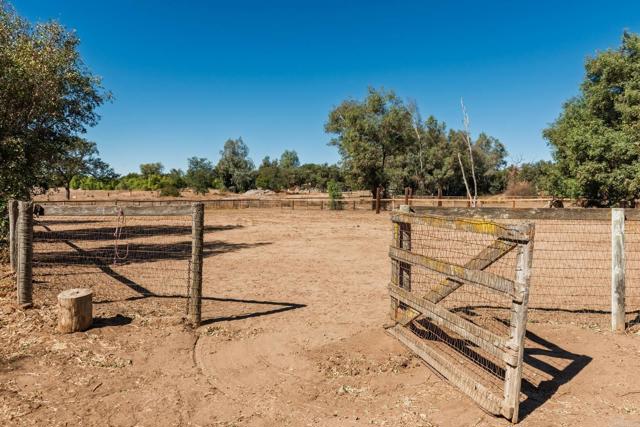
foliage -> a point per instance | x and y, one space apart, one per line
79 158
200 175
47 95
369 134
335 195
269 175
235 167
289 159
148 169
594 141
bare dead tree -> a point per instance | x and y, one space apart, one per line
473 198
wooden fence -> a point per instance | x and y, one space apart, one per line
22 238
446 299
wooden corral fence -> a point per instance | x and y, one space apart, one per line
315 203
449 302
85 239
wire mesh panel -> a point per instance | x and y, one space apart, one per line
459 292
632 271
118 255
571 275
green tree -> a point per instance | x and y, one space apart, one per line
594 141
47 95
235 168
200 174
369 134
335 195
289 159
79 158
269 175
148 169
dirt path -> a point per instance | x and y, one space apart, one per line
293 337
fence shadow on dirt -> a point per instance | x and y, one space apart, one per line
537 395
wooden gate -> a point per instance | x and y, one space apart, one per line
459 292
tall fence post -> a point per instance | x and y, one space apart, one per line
513 374
617 270
24 239
378 196
401 271
197 236
13 236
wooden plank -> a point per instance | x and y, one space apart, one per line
617 271
518 324
492 253
472 225
66 210
486 340
476 391
457 272
559 214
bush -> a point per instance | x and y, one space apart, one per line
169 191
335 195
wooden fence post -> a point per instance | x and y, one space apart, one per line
13 237
617 270
513 374
197 236
25 254
401 271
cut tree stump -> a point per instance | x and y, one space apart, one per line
75 310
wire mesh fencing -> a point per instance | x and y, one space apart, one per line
121 254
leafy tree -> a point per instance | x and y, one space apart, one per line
335 195
235 167
200 174
148 169
269 175
430 161
368 134
289 159
594 141
47 95
79 158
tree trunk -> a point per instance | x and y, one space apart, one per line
75 310
67 191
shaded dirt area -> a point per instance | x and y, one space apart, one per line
292 335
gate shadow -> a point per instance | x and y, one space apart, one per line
536 396
568 366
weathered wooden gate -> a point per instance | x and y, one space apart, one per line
459 292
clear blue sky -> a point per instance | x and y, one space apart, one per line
188 75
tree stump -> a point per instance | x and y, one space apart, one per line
75 310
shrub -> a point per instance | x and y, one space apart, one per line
169 191
335 195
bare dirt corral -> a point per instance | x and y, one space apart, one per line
309 350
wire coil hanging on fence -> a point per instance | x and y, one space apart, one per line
121 223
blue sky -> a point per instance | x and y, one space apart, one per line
188 75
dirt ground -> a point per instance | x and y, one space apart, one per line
292 335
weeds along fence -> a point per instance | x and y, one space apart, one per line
120 253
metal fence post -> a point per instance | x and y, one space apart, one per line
25 254
617 270
12 207
195 291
